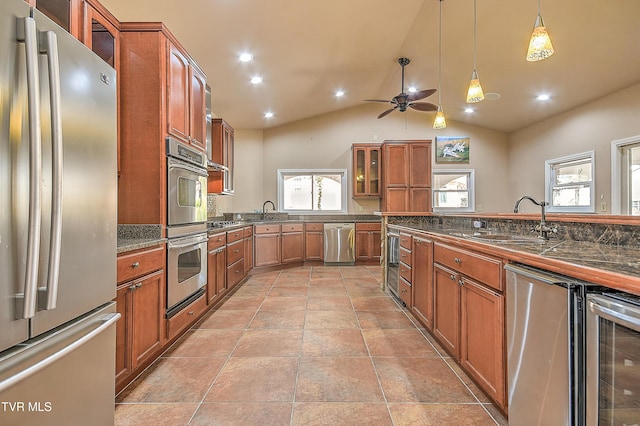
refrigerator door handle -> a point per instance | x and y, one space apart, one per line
49 47
107 322
26 32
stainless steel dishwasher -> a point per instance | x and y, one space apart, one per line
545 341
339 243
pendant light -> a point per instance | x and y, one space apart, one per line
540 46
475 93
440 122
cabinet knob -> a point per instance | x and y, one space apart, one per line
457 260
135 265
133 287
453 277
460 282
190 312
138 285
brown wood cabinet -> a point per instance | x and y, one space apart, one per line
248 249
186 118
222 152
154 102
266 245
292 243
422 281
406 176
140 299
216 267
101 32
366 170
235 257
469 314
368 241
186 317
313 241
66 13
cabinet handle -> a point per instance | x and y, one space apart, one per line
134 265
138 285
132 287
460 282
453 277
237 251
457 260
190 313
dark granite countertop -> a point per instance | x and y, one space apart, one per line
134 237
613 266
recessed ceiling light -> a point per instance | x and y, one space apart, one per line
543 97
339 93
268 114
492 96
469 110
256 80
245 57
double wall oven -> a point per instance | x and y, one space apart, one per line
186 225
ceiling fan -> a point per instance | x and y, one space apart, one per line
403 101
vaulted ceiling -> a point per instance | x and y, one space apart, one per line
306 50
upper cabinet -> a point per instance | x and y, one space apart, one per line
366 170
65 13
186 115
222 147
406 176
100 32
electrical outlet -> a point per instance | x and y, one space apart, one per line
603 206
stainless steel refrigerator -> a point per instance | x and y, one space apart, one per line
58 142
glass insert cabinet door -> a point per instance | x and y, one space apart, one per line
366 170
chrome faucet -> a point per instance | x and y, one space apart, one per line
543 228
264 208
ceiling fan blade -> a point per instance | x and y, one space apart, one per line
385 113
377 100
420 94
423 106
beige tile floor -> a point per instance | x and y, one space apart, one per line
306 346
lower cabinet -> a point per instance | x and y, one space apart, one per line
216 275
368 240
141 302
469 314
422 282
292 243
277 244
187 316
235 257
313 241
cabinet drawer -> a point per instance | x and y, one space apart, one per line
235 273
313 227
292 227
136 264
405 256
368 226
404 290
248 231
186 317
405 272
267 229
405 241
235 252
235 235
482 268
216 241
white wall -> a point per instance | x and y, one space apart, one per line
590 127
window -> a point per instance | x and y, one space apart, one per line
453 190
625 176
312 191
569 183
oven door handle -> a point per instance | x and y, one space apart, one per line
186 242
619 312
176 165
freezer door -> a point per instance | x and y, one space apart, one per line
87 255
63 378
14 168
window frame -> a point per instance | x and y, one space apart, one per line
548 184
344 184
617 174
471 190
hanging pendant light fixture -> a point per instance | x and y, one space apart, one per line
540 46
440 122
474 94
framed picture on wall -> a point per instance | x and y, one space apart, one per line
452 149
